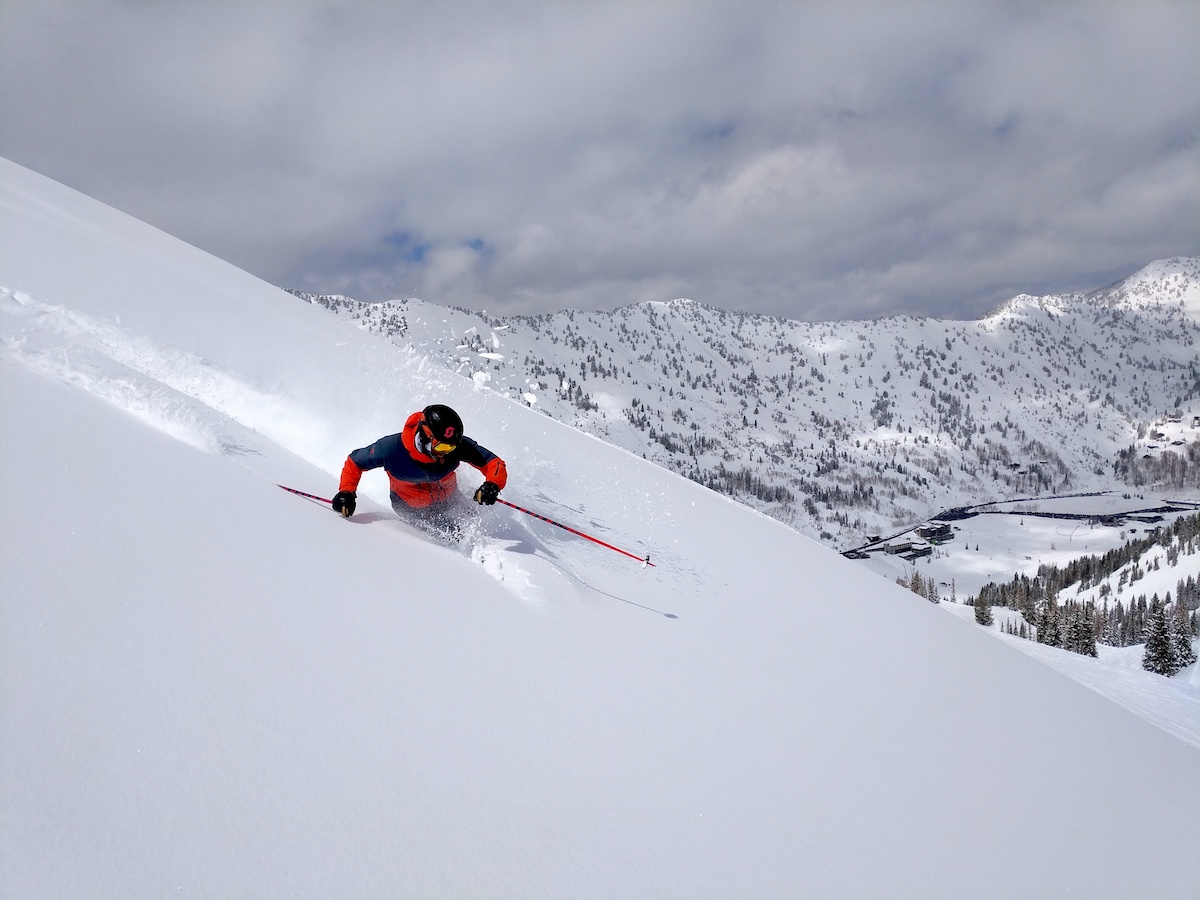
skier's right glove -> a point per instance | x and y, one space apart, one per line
343 502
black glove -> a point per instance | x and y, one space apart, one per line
343 502
487 493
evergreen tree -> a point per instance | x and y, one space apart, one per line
1081 630
1113 623
1048 620
1180 630
931 590
983 609
1139 620
1158 657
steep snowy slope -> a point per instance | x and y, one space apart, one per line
212 687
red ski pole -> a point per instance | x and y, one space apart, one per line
575 531
302 494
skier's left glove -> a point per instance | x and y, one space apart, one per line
487 493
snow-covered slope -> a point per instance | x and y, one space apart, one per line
846 429
210 687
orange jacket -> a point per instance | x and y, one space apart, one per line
415 478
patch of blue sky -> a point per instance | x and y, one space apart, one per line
408 245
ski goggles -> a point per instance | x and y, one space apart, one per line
440 448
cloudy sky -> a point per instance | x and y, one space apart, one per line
809 160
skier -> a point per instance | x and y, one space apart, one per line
420 462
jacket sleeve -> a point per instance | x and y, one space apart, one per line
485 461
370 457
351 473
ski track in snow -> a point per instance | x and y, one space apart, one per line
152 382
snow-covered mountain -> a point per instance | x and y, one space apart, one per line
846 429
211 687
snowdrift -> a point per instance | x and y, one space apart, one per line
212 687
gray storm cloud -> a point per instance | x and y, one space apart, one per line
806 160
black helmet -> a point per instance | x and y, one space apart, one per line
441 425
